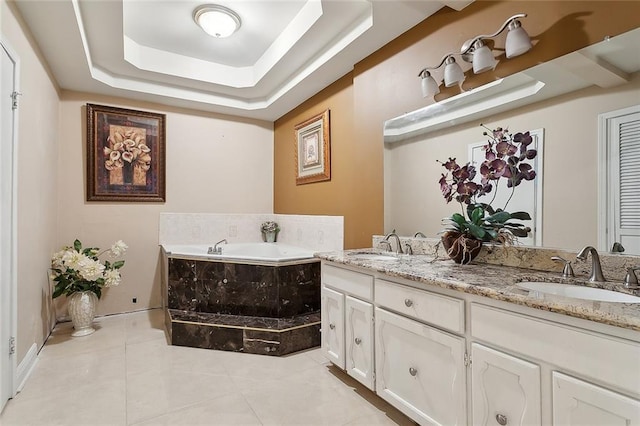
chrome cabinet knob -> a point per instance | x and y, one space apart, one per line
408 303
501 419
413 371
358 340
332 326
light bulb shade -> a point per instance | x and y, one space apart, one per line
429 85
217 21
518 41
453 74
483 59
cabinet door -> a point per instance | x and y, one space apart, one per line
580 403
504 390
359 340
420 370
333 326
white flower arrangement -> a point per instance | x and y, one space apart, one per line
74 269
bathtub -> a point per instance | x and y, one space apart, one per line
261 298
263 253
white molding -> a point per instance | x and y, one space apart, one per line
13 262
26 366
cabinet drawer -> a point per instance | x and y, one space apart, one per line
349 282
441 311
603 358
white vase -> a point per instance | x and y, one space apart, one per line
82 310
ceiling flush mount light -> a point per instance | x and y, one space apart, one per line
217 21
477 52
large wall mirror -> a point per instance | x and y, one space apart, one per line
564 98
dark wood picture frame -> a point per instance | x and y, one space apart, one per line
125 155
313 149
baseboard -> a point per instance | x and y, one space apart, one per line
26 366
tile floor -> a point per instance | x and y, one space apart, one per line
126 374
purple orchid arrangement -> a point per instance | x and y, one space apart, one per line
507 156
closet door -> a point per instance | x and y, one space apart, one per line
620 159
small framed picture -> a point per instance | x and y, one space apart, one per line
125 155
313 149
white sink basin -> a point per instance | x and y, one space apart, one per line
579 292
373 256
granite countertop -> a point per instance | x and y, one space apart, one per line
495 282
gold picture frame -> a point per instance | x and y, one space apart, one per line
125 155
313 149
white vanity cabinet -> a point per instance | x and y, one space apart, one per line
505 390
347 322
444 357
590 371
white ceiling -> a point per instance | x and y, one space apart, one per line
284 52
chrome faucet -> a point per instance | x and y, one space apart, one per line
419 234
596 269
631 280
216 249
398 243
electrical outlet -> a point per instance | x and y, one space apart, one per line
134 300
233 231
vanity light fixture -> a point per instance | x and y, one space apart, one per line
477 52
217 21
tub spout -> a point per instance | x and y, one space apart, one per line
216 249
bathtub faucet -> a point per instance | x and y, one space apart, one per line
216 249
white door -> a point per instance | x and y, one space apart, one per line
619 191
505 390
420 370
7 245
333 326
359 340
527 199
578 403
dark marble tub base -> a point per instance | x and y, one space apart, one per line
255 335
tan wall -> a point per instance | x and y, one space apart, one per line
386 85
37 185
217 164
339 196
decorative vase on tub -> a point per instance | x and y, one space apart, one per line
270 231
81 276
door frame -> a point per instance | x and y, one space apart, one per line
10 289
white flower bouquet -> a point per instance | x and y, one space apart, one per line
74 269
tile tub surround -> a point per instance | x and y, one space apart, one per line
496 282
265 309
317 233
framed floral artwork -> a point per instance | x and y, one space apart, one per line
313 149
125 155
